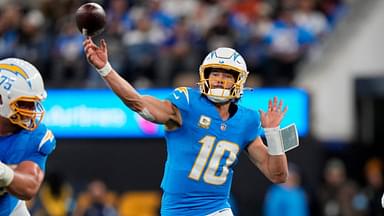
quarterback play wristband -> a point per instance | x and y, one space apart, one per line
274 141
6 175
104 71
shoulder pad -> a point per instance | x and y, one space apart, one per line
179 92
47 143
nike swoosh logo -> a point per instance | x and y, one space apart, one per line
177 97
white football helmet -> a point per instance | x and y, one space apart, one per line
228 59
21 93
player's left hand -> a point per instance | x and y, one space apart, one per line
274 114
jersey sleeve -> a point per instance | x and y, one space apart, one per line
180 98
46 145
254 127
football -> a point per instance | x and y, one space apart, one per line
90 19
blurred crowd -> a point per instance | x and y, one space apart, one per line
158 43
336 195
59 198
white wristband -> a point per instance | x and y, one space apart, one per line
6 175
146 114
104 71
274 141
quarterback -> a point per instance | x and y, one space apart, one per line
205 131
24 143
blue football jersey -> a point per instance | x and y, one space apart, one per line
202 154
24 146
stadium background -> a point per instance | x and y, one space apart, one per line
332 50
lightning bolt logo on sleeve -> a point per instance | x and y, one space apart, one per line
47 137
183 90
47 143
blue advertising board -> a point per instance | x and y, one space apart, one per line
85 113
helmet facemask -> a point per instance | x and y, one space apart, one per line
27 112
226 60
223 92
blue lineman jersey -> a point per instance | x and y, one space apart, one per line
202 153
24 146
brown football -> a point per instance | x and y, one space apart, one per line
90 19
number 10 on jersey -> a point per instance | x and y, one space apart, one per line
213 154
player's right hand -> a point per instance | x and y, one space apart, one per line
274 114
97 56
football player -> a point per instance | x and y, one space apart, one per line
25 143
205 131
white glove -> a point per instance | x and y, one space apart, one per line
6 175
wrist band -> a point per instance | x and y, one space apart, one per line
274 141
104 71
6 175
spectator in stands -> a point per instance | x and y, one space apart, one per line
373 172
288 199
287 44
56 197
254 50
221 34
313 21
158 16
204 17
185 8
119 20
180 53
95 202
10 17
333 10
142 46
69 65
33 42
339 196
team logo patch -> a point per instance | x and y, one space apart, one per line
204 122
182 90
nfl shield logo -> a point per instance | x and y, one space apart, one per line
223 127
